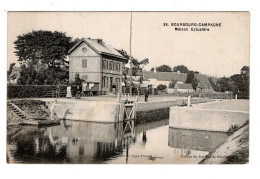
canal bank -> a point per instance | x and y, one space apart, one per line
218 116
112 111
233 150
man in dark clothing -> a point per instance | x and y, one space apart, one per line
78 91
146 94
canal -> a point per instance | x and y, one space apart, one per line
77 142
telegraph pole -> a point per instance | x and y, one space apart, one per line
130 60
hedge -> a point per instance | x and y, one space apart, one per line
36 91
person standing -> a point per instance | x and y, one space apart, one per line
146 94
78 91
57 91
68 95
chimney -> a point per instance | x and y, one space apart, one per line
99 40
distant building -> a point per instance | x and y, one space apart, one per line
98 64
155 78
203 83
183 88
165 78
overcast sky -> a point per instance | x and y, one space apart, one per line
222 51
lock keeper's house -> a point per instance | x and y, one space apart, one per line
98 64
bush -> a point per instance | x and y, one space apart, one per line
36 91
161 87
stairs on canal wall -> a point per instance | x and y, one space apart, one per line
19 112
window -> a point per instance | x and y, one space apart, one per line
84 63
107 65
104 64
111 65
104 81
117 67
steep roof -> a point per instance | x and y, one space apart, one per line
203 81
99 46
183 86
165 76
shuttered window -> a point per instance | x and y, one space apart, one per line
84 63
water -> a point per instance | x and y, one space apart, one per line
89 142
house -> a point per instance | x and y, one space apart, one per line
98 64
165 78
183 88
203 83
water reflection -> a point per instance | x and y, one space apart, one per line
195 139
88 142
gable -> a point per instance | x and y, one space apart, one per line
83 50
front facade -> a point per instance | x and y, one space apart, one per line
164 78
183 88
98 64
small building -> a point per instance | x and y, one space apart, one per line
98 64
203 83
183 88
164 78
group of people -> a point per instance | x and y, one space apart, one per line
69 94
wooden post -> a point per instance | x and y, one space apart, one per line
189 101
118 97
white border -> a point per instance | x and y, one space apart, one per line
136 171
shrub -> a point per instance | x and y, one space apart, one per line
36 91
161 87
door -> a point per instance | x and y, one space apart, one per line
111 84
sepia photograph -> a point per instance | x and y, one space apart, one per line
128 87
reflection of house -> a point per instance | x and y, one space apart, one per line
203 83
183 88
98 64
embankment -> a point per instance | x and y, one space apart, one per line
156 110
234 150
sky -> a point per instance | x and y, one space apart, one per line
221 51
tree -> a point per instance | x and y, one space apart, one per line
43 47
11 67
172 83
164 68
152 69
245 70
161 87
42 55
225 84
138 66
190 77
10 75
241 82
194 83
181 68
214 83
